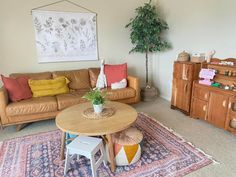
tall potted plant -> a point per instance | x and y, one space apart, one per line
146 34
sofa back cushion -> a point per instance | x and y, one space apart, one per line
35 76
18 89
79 79
93 74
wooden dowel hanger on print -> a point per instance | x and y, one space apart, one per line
57 2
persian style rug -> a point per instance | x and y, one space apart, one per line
163 154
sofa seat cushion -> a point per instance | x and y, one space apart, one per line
70 99
119 94
32 106
79 79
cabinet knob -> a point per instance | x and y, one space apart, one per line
229 106
224 103
206 96
187 73
204 108
185 88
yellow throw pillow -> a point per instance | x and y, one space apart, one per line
49 87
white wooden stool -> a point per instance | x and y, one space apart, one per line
88 147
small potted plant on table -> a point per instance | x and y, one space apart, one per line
97 98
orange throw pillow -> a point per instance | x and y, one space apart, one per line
115 73
18 89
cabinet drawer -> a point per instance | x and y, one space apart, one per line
201 93
199 109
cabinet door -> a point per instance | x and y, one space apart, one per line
183 71
218 108
231 117
181 92
199 109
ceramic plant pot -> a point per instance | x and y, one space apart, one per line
97 108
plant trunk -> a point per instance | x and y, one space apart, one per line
147 81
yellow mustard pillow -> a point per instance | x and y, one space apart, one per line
49 87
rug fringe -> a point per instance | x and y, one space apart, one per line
215 162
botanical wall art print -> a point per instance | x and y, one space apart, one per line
65 36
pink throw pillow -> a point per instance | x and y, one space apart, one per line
18 89
115 73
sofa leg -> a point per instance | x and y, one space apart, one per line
20 127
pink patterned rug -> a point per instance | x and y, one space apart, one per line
164 154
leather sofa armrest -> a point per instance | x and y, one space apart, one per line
4 100
134 83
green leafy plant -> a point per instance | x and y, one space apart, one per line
146 32
95 96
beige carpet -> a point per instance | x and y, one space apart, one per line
218 143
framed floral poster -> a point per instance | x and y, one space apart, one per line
65 36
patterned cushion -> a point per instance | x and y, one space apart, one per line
127 146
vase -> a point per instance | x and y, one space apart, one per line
98 108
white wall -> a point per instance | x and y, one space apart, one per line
195 26
17 41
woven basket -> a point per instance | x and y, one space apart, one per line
183 56
197 59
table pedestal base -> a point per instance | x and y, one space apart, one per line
111 152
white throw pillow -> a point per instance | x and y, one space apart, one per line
119 85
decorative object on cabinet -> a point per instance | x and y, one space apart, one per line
216 105
183 56
209 55
146 29
206 76
198 57
184 75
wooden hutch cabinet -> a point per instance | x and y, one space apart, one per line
183 76
216 105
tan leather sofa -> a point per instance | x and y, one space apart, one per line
35 109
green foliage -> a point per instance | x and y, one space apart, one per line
95 96
146 30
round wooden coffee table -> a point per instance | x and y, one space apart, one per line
72 120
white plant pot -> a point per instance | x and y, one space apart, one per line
98 108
